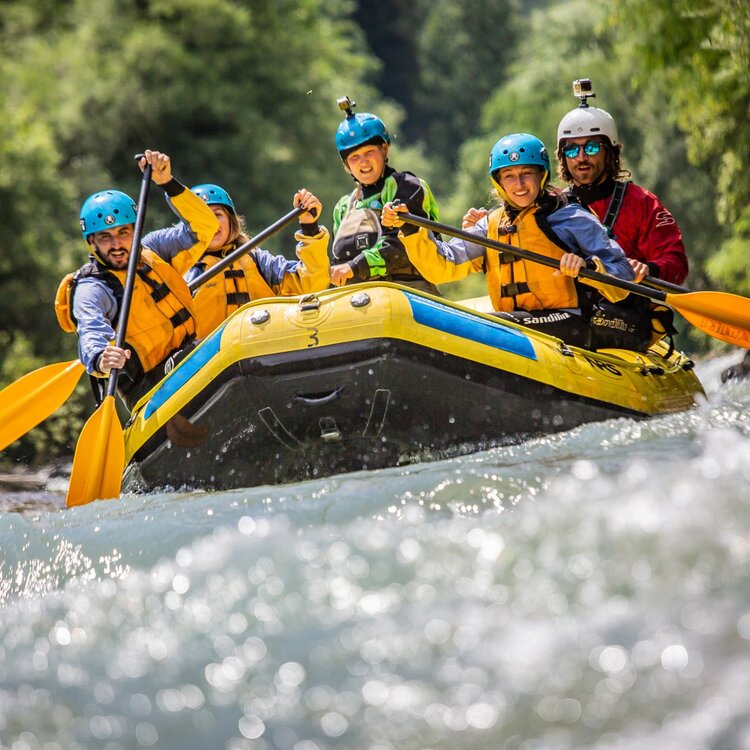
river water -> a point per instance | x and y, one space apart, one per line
585 590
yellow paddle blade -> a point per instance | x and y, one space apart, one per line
99 458
719 314
34 397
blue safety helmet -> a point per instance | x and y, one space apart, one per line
356 130
214 195
106 209
516 150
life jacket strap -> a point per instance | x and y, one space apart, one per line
615 204
159 290
179 318
514 289
238 298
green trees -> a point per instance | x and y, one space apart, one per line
237 92
463 49
242 92
441 59
702 52
582 38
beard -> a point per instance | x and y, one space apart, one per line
116 264
590 176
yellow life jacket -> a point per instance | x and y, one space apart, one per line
520 284
220 296
162 315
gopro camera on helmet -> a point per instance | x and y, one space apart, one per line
357 130
585 120
583 89
346 105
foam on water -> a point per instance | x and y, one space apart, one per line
584 590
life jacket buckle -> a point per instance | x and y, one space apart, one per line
361 242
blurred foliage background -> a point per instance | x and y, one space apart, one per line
243 93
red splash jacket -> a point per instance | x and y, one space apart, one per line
644 228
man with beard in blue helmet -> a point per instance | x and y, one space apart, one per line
162 317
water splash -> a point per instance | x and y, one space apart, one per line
584 590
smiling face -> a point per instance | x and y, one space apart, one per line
521 184
113 246
367 163
222 234
586 169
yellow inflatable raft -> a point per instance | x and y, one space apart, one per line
373 375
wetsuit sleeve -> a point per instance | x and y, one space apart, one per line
440 261
581 231
291 277
182 245
389 255
417 197
369 264
94 309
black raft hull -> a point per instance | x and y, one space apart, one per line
370 377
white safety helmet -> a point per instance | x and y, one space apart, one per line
585 120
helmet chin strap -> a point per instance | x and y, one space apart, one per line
103 261
503 195
94 250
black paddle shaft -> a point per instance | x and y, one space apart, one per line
519 252
249 245
134 257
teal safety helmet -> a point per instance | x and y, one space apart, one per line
519 149
359 129
106 209
214 196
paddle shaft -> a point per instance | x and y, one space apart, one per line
249 245
135 255
586 273
100 451
665 286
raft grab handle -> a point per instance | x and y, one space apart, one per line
317 399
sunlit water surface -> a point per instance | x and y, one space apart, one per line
586 590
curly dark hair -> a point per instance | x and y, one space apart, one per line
612 165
